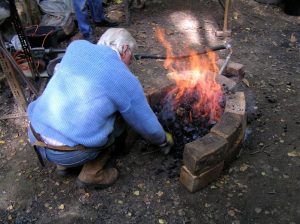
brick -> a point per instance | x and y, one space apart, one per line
234 150
194 183
233 68
229 127
235 103
203 153
226 82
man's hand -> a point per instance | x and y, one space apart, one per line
167 145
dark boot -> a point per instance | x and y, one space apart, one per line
94 175
107 22
63 171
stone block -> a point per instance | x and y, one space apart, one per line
229 127
204 153
234 150
225 82
194 183
236 104
233 68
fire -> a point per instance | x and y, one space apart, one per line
195 80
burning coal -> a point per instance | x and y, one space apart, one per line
196 102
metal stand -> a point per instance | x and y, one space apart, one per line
23 39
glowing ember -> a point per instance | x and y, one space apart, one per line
196 85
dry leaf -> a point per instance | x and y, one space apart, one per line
231 212
160 193
246 82
162 221
206 205
258 210
2 142
235 15
294 154
293 38
244 167
61 207
136 193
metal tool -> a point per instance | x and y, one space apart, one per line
40 52
226 60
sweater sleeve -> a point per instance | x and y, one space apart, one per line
139 115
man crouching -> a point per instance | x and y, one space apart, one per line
79 117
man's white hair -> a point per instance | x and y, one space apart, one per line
117 38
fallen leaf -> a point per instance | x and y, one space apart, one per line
246 82
160 193
231 213
294 154
235 15
162 221
206 205
293 38
258 210
244 167
136 193
61 207
263 173
2 142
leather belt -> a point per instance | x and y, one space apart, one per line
40 143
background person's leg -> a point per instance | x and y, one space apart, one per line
96 9
81 11
97 14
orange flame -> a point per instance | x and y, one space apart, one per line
197 76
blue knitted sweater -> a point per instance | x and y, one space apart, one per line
80 102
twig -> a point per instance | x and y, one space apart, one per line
146 153
12 116
261 150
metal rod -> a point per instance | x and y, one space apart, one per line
41 51
204 51
226 60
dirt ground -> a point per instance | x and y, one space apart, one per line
261 186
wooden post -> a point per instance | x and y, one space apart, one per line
226 32
13 82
